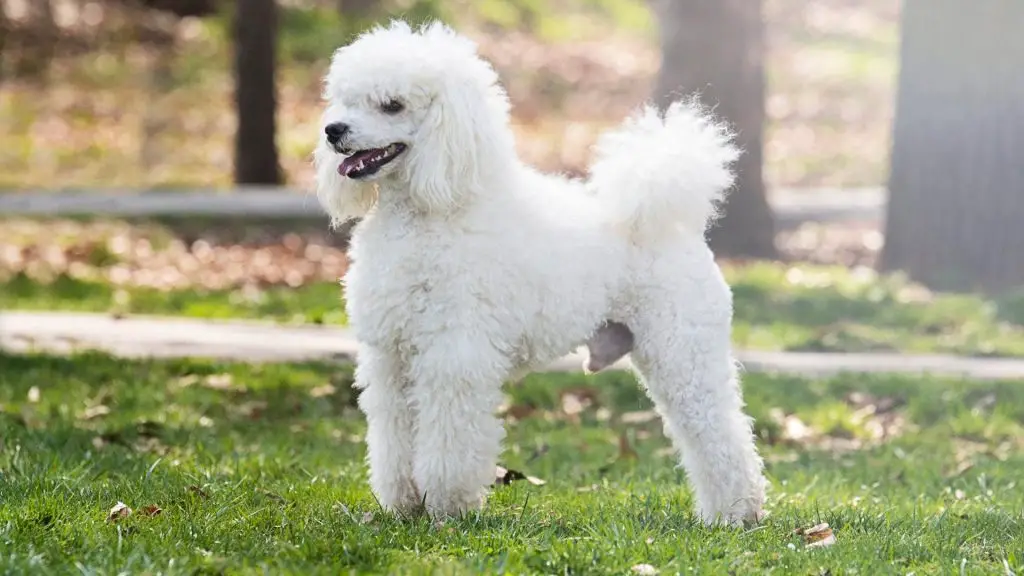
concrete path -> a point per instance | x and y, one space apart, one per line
260 342
792 206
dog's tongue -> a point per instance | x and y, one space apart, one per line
354 161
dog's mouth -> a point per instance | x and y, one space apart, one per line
363 163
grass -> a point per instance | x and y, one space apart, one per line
258 469
317 303
778 307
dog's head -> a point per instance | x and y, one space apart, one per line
416 112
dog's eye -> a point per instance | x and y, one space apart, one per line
392 107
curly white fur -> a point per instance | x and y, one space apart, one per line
470 268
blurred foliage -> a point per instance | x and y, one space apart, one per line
138 98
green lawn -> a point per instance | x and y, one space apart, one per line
778 307
258 469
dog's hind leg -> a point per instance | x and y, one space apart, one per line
691 377
389 434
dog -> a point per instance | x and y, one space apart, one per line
469 269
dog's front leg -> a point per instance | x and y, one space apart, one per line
390 425
456 391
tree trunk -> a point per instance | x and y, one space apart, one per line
255 31
5 32
716 48
39 43
956 188
357 9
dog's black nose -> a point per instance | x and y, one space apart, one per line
335 132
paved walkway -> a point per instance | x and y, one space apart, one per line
791 206
260 342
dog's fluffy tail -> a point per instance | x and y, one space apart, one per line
659 172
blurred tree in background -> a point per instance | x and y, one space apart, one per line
956 208
255 34
716 48
5 31
361 9
38 49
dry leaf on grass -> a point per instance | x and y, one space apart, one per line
93 412
793 428
253 410
198 492
818 536
519 411
504 476
151 510
572 405
575 400
119 511
220 382
639 417
668 452
321 391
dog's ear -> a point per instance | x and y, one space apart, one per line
456 134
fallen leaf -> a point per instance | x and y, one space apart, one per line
120 510
151 510
146 444
220 382
818 536
793 428
572 405
504 476
575 400
33 394
519 411
667 452
198 492
93 412
253 410
639 417
644 570
321 391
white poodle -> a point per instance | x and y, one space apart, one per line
469 269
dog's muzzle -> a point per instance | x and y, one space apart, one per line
336 132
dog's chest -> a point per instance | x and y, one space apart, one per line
397 288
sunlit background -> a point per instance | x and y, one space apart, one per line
116 97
